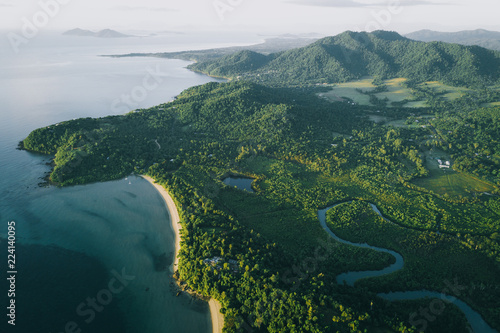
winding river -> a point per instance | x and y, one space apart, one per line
475 320
351 277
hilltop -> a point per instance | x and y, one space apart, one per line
352 55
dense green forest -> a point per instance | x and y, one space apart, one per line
352 55
306 153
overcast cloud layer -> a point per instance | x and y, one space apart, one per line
262 16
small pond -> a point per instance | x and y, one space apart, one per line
241 183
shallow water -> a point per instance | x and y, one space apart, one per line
71 240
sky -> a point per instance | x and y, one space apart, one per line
325 17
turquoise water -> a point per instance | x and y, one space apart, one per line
76 237
72 242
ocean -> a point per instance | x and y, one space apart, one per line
85 255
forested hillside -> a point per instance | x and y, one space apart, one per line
352 55
306 153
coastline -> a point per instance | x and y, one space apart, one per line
217 317
174 217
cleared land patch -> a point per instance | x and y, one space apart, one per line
447 181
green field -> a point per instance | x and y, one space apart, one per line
453 183
450 93
340 93
491 105
363 84
448 181
396 92
416 104
350 91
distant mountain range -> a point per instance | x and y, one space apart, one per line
352 55
106 33
480 37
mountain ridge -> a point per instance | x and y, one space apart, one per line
480 37
352 55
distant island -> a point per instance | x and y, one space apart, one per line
106 33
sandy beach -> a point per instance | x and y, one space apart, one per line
217 317
174 217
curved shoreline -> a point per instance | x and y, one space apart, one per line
174 217
217 317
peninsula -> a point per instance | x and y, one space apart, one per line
413 132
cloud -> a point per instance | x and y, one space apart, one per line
4 4
357 4
148 9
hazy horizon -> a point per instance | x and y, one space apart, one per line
265 17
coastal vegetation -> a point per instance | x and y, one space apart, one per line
307 153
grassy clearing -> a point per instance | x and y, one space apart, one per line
447 181
363 84
348 90
398 95
341 93
453 183
449 92
491 105
397 92
417 104
259 164
396 82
